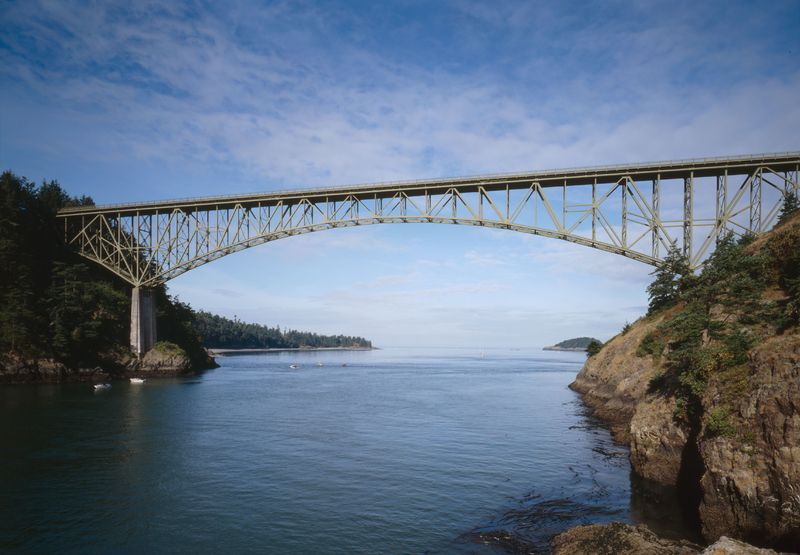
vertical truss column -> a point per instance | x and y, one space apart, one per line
755 202
625 213
594 210
656 202
722 205
688 214
796 184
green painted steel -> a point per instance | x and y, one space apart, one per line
640 211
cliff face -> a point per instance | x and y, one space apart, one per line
750 477
613 383
751 482
717 414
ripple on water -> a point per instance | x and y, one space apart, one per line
399 451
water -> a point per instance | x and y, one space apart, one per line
399 451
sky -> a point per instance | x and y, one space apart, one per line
136 101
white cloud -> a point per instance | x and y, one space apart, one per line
301 94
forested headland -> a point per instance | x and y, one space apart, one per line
574 344
219 332
58 306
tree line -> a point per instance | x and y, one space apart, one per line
55 304
224 333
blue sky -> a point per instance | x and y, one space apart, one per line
140 101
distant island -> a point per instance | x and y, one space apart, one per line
576 344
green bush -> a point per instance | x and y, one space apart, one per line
593 347
652 345
718 423
169 348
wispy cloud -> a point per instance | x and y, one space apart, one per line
140 100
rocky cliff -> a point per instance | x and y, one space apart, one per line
616 538
165 359
17 370
717 415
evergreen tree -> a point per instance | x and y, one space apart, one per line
593 347
667 283
790 205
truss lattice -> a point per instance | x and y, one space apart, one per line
638 211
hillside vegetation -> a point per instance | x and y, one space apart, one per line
218 332
747 292
576 343
59 307
56 305
706 386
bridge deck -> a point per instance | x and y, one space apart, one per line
678 169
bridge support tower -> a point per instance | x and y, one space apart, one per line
143 320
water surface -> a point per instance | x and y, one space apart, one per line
391 451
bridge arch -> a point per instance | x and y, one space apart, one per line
618 209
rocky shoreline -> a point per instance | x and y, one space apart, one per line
617 538
162 361
742 484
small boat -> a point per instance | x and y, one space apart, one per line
102 386
137 380
320 364
293 366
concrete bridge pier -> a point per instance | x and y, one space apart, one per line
143 320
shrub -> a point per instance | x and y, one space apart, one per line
652 345
593 347
657 382
169 348
718 423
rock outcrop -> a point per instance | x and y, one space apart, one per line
728 546
721 423
749 478
163 359
613 382
166 359
657 441
751 482
617 538
16 370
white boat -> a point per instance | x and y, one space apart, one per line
137 380
102 386
293 366
320 364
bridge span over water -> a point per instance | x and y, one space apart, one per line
640 211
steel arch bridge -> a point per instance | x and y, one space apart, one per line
640 211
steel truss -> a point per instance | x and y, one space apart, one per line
622 209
